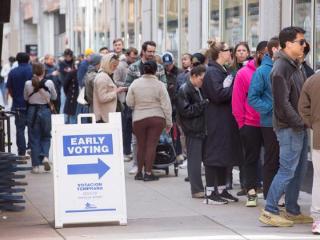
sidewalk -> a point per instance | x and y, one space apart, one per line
156 210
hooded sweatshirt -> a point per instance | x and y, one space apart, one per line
260 95
241 110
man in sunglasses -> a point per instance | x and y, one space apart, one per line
287 79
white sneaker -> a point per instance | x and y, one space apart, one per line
133 170
316 227
35 170
184 164
127 158
46 164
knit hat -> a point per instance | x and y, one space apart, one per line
88 52
95 59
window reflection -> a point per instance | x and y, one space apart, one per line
214 19
160 18
172 27
233 21
139 23
302 12
100 24
253 23
79 27
317 37
122 19
131 31
184 26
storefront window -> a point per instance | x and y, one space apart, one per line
214 19
100 24
160 19
317 37
122 19
139 23
184 26
253 23
302 12
131 30
233 21
172 27
79 27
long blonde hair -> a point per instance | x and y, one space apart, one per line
106 62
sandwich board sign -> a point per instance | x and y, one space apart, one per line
88 169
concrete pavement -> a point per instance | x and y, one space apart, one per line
156 210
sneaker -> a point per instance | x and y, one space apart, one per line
150 177
198 195
316 227
138 176
260 193
242 192
28 152
297 219
127 158
215 199
275 220
252 199
227 196
184 164
133 170
46 164
35 170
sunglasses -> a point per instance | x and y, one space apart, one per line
301 42
226 50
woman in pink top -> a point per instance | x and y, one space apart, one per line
248 121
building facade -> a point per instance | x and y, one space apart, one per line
179 26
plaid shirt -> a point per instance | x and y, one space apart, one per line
134 73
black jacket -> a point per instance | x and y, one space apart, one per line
190 111
287 78
222 146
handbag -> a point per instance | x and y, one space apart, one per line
81 97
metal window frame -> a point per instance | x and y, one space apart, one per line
313 29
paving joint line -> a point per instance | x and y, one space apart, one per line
207 217
42 215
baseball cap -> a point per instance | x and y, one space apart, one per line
167 58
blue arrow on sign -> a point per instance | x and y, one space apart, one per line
100 168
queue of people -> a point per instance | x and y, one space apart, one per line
227 107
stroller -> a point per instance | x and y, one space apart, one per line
166 155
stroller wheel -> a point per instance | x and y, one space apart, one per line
176 170
167 171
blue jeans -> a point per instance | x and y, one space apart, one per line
39 124
70 119
82 109
20 121
293 162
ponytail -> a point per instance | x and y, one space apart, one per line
38 71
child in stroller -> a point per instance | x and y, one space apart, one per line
166 154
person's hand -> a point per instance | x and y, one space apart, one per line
121 89
55 73
168 130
